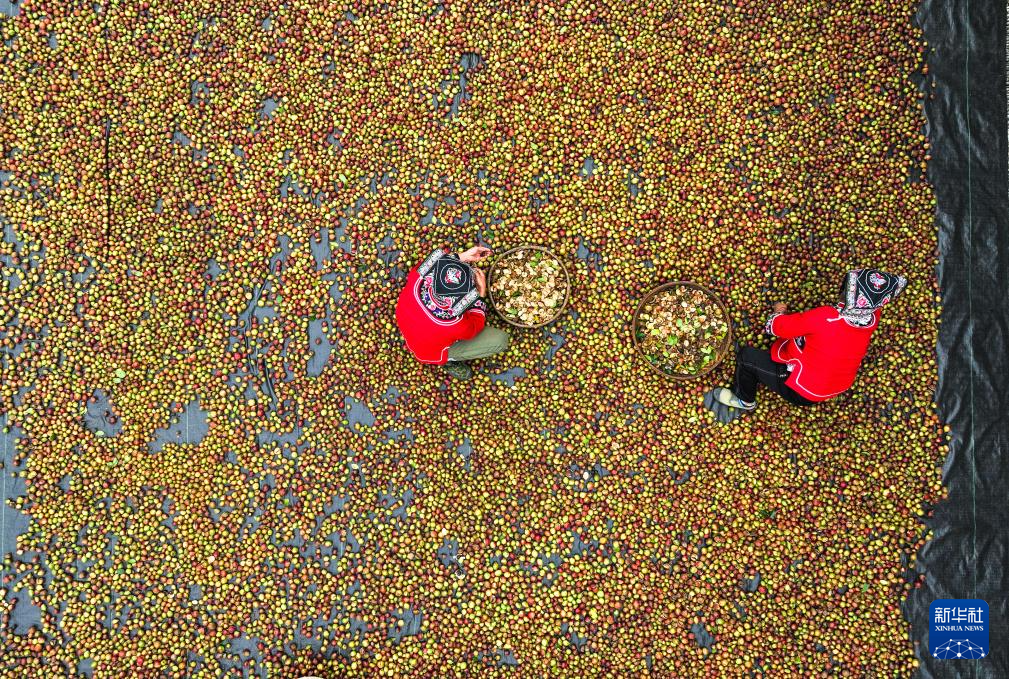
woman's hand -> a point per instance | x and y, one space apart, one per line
481 281
475 254
779 307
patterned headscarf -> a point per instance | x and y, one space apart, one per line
865 290
448 283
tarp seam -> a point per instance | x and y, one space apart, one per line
970 310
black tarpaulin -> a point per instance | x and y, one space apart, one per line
968 549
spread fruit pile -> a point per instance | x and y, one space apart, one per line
208 212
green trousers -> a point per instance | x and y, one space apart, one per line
490 341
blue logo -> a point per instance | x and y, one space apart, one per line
959 629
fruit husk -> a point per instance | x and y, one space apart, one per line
500 305
642 348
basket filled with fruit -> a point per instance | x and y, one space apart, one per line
528 286
682 330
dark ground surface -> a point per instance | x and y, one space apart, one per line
967 555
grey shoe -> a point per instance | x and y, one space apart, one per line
726 397
722 413
459 370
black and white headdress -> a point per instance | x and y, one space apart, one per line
865 290
452 285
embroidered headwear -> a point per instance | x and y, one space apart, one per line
865 290
451 283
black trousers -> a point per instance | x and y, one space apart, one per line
753 367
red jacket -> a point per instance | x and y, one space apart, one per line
427 326
826 364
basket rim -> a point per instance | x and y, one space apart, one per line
567 284
723 351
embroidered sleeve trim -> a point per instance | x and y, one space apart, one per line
769 326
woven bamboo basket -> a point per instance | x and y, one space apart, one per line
722 351
567 286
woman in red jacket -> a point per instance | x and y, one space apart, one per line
818 352
441 314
